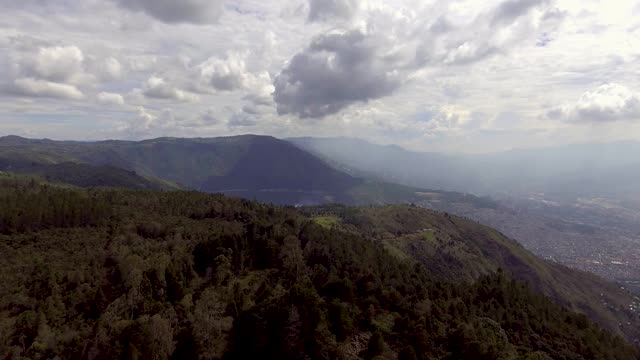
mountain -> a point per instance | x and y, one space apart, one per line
390 162
567 172
84 175
107 273
576 204
255 167
454 248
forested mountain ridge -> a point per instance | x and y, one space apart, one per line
250 166
84 175
135 274
455 248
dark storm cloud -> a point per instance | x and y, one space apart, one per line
328 10
183 11
335 71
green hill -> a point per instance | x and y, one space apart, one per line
254 167
84 175
454 248
108 274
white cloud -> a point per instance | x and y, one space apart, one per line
112 68
609 102
44 88
139 125
448 118
343 67
59 63
231 74
107 98
158 88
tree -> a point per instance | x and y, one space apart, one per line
210 326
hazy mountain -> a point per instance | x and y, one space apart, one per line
126 274
592 170
255 167
576 204
390 162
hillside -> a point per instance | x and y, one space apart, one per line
454 248
84 175
577 204
255 167
121 274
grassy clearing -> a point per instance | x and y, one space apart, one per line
327 221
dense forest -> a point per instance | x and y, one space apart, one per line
104 273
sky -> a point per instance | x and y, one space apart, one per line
449 76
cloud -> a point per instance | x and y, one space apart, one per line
44 88
158 88
226 74
205 119
59 64
347 66
112 68
495 31
335 71
107 98
147 123
242 119
35 68
510 10
55 70
331 10
446 119
609 102
139 125
231 74
366 66
182 11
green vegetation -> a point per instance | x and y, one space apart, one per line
253 167
83 175
248 166
327 221
108 274
454 249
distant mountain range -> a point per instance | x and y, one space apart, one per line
567 172
319 170
255 167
